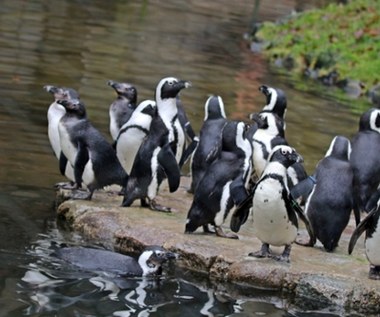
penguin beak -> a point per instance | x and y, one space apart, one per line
264 89
184 84
51 89
299 158
171 255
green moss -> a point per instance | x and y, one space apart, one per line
341 37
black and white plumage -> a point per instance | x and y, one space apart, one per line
276 100
93 158
133 132
225 182
329 205
210 139
365 159
166 94
370 224
161 151
274 212
149 262
122 108
54 115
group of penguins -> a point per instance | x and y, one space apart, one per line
237 168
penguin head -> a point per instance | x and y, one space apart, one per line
285 155
169 87
370 120
152 259
275 99
214 108
124 90
73 106
340 148
272 123
62 92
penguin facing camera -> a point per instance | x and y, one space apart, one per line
365 159
156 158
54 114
225 182
274 211
122 108
93 158
329 205
149 262
370 224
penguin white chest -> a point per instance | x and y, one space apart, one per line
67 147
54 115
372 247
114 127
271 223
180 140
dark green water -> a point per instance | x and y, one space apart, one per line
82 44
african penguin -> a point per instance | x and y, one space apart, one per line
122 108
224 183
133 132
274 211
370 224
329 205
365 159
276 101
166 94
148 263
210 140
54 115
93 158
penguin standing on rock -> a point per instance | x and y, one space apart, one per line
149 263
329 205
156 158
54 115
365 159
210 140
93 158
133 132
122 108
274 211
371 225
225 182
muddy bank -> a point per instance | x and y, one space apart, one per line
314 279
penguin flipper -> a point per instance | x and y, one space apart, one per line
80 162
169 163
189 150
238 192
363 225
62 163
240 215
303 188
296 207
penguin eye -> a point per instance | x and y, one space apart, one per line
284 151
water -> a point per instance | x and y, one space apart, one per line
82 44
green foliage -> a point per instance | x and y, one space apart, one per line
341 37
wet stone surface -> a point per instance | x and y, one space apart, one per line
314 279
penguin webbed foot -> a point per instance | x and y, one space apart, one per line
284 257
153 205
80 194
207 230
374 272
264 252
305 243
65 185
220 233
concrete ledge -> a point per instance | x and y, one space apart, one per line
314 279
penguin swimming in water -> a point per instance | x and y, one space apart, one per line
122 108
93 158
274 211
54 115
210 140
365 159
329 205
225 182
370 224
133 132
148 263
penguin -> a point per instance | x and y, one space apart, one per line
225 182
93 158
54 114
210 140
276 101
274 211
149 263
365 159
166 94
133 132
370 224
329 205
165 141
122 108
